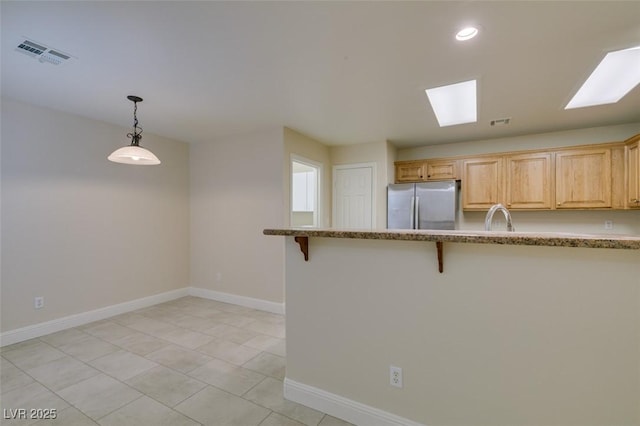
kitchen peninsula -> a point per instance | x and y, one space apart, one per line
521 328
552 239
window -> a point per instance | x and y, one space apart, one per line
305 178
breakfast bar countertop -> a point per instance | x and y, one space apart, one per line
552 239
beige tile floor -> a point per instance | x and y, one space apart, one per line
191 361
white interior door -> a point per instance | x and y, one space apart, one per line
353 196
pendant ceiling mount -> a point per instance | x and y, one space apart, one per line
134 153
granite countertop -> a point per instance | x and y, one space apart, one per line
553 239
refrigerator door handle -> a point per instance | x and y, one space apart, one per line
413 206
416 207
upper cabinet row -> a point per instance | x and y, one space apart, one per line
602 176
582 179
633 173
426 170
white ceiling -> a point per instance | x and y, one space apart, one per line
340 72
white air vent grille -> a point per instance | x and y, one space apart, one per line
41 52
31 48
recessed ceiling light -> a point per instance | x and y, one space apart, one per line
455 103
613 78
467 33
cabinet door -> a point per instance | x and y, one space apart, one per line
481 183
633 175
528 181
410 172
442 170
583 178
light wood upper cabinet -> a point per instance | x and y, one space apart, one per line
528 181
442 170
618 177
633 175
426 170
583 178
410 171
481 183
602 176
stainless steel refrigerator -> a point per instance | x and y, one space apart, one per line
428 205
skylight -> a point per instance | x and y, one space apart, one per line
455 103
614 77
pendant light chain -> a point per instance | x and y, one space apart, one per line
135 136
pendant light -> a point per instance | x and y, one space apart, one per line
134 153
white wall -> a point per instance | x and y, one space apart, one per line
85 233
579 221
589 136
507 335
79 230
582 221
236 192
392 155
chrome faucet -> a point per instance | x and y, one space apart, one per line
491 212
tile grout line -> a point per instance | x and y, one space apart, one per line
213 357
178 345
120 407
142 394
51 390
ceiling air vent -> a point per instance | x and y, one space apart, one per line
41 52
501 122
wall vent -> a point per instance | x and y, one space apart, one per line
41 52
501 121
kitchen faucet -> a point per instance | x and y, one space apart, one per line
491 212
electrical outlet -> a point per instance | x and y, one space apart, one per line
395 376
218 276
608 224
38 302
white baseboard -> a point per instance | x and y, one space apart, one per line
48 327
341 407
248 302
